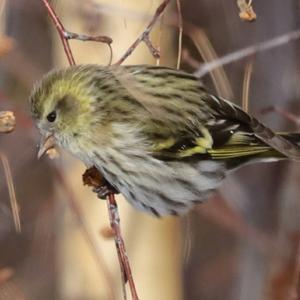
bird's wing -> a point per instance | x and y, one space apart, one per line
184 120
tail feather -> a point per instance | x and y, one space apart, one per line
281 142
291 137
265 154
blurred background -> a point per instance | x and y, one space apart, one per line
244 243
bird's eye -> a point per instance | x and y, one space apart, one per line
52 116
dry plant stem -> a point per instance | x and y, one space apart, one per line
248 51
180 27
11 192
124 262
161 23
92 177
208 54
144 37
186 57
87 234
61 31
65 35
246 86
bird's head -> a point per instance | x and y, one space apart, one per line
62 104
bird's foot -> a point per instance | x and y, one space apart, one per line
104 190
92 177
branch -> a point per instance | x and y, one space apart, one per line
66 35
120 245
93 178
248 51
144 37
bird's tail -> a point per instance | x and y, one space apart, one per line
265 153
293 138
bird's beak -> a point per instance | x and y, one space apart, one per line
47 143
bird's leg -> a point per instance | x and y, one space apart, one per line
92 177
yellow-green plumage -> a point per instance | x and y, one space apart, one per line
154 133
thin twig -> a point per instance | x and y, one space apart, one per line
248 51
246 86
98 38
61 30
208 54
161 23
92 177
115 224
11 191
187 58
66 35
180 27
144 36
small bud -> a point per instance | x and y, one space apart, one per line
7 121
248 15
247 12
107 232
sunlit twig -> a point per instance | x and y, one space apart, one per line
248 51
11 192
93 178
144 36
180 27
246 86
66 35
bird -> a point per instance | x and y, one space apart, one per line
155 134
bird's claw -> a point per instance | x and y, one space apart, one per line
102 191
92 177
